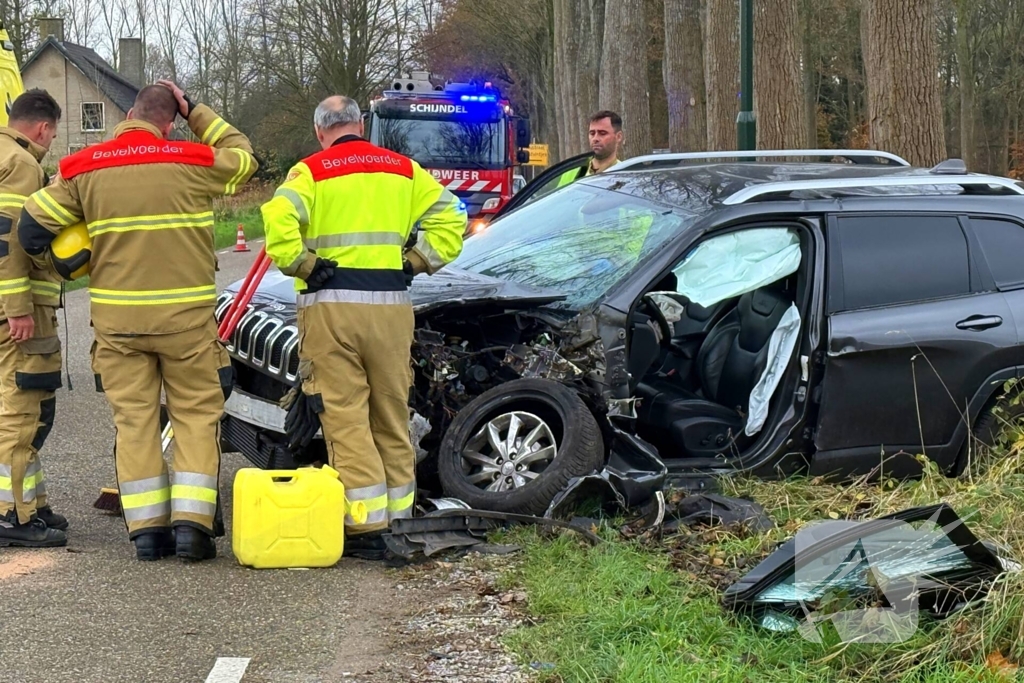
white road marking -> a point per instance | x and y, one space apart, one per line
228 670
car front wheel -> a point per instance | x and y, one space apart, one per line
513 448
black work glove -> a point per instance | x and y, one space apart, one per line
322 272
189 103
407 271
302 422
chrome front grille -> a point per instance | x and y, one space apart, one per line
263 341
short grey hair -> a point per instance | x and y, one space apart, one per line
337 111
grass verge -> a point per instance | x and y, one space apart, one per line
647 610
225 234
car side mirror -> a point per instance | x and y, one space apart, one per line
523 156
523 136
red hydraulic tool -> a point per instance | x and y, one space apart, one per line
244 295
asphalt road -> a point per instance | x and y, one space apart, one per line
91 612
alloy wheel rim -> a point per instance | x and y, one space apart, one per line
508 452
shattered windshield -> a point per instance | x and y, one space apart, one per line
580 241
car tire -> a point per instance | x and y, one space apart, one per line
992 427
538 404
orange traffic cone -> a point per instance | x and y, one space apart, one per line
240 244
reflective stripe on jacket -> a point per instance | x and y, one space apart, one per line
356 204
148 205
23 285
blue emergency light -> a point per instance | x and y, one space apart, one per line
478 98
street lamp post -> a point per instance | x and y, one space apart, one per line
746 122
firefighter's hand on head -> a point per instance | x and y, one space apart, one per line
185 105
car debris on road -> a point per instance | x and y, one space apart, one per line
870 578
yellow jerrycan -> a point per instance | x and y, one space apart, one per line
290 518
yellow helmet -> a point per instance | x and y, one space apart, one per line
70 252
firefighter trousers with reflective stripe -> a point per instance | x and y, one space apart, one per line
355 358
29 376
193 369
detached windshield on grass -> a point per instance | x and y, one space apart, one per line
580 241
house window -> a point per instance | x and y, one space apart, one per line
92 117
73 149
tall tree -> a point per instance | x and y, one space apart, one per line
636 109
567 15
810 63
965 12
722 72
589 38
610 95
778 81
904 101
684 76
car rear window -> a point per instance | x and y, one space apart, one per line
1002 243
887 260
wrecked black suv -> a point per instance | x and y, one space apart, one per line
710 313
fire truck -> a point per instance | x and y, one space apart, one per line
465 134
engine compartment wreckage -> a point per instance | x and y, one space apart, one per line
464 347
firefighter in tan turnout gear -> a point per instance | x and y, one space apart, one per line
30 359
147 201
338 224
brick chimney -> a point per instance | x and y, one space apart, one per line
130 60
51 26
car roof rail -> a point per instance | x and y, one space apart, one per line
672 158
975 181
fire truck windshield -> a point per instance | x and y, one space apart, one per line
443 143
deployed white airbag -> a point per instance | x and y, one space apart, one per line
727 266
780 350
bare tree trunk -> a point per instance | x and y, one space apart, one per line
636 110
810 68
588 70
966 76
567 54
781 116
904 102
722 72
548 96
610 94
684 76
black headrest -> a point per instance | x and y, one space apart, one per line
760 312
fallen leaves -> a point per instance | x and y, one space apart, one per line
998 664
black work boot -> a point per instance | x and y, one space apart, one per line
52 519
369 546
35 534
154 545
194 545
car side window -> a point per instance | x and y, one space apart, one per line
1002 243
889 260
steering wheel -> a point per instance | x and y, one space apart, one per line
654 311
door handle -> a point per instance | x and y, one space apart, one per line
980 322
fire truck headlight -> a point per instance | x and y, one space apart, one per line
477 226
491 204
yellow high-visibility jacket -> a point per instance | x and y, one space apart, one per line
356 204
